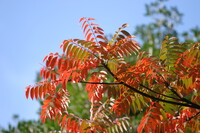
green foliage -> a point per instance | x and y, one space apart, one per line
164 20
193 35
31 126
79 103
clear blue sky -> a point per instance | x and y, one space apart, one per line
30 29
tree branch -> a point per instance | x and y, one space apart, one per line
159 99
173 91
190 118
157 92
98 83
149 96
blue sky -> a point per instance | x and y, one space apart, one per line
31 29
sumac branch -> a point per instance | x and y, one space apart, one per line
166 88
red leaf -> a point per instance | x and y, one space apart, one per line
91 19
83 24
103 43
64 121
85 27
36 92
125 25
57 103
101 37
49 61
45 89
41 91
53 62
99 28
45 58
126 33
60 63
41 72
81 19
99 32
93 23
86 33
68 124
27 91
65 76
32 92
47 74
92 39
65 44
47 101
89 36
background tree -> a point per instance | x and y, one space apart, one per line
193 35
164 22
165 19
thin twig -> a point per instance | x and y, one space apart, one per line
98 83
190 118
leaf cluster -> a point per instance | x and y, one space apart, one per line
165 87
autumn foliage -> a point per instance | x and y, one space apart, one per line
165 88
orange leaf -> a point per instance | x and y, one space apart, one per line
82 19
63 124
45 58
99 32
36 92
93 23
101 37
47 101
27 91
42 72
125 33
49 60
92 39
45 89
53 62
83 24
32 92
85 27
86 33
41 92
89 36
60 63
91 19
99 28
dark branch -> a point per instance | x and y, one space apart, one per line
99 83
149 96
173 91
158 93
159 99
190 118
